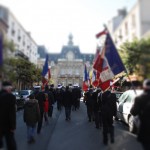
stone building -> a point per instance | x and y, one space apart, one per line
67 67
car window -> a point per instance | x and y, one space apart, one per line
129 98
24 92
122 97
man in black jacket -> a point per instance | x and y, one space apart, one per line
7 116
108 109
141 107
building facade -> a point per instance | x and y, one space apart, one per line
67 67
135 24
24 44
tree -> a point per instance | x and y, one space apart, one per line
135 56
23 72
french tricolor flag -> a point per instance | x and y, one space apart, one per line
108 63
46 75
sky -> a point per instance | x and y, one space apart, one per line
51 21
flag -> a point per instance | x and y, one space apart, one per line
1 50
45 67
85 84
94 80
108 63
45 73
113 57
85 78
96 54
104 85
101 33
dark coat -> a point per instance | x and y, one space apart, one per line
108 107
7 111
67 100
50 97
41 98
139 106
31 112
89 98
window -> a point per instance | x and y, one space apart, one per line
133 21
126 28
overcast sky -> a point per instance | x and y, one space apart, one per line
51 21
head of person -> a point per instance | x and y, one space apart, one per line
6 85
46 88
146 84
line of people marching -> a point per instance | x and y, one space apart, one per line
101 108
66 97
37 109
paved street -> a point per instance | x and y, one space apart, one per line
77 134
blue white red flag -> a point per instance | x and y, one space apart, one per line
108 63
94 80
45 73
45 67
113 57
85 79
1 50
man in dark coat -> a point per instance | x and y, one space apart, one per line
108 109
96 109
67 102
7 116
141 107
88 96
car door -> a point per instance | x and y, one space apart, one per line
120 104
127 104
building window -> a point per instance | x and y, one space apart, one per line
126 28
120 34
12 32
133 21
19 37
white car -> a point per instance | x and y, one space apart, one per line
25 93
124 106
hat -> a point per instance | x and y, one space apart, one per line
146 84
6 83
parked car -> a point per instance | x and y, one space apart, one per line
19 101
125 103
25 93
118 94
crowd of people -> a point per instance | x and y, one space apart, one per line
37 109
101 108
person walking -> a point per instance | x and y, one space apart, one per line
46 107
59 97
96 109
88 96
50 100
7 116
67 102
141 108
31 116
39 95
108 111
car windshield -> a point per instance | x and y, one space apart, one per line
24 92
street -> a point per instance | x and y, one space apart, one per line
76 134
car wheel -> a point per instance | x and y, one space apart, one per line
131 124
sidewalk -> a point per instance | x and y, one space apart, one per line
42 139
